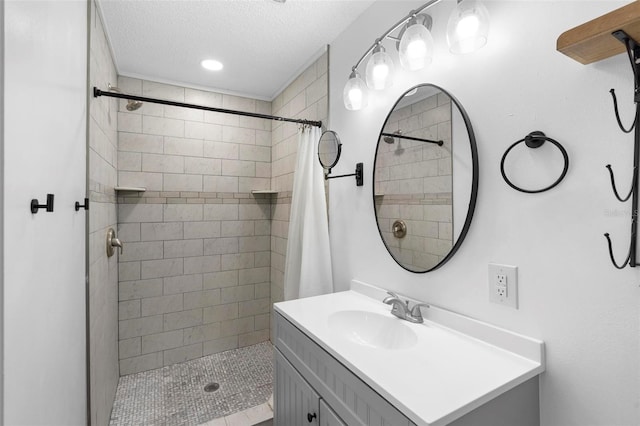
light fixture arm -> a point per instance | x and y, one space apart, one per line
400 23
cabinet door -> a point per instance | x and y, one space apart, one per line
295 402
328 417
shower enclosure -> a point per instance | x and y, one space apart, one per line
200 201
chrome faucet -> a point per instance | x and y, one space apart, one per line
401 309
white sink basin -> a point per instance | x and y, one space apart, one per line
372 329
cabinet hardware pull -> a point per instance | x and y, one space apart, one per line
310 417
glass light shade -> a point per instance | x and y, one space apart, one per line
416 46
355 93
380 69
468 27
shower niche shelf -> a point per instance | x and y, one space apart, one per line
263 191
130 189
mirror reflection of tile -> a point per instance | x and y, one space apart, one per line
413 182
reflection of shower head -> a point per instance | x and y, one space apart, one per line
391 139
131 104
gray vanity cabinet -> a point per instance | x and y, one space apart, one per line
295 402
314 388
310 381
328 417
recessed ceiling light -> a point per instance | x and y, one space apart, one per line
211 65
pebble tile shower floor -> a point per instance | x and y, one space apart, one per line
175 396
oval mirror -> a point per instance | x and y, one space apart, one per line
425 178
329 148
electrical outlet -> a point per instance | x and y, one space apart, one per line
503 285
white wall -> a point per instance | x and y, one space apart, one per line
2 38
571 296
44 293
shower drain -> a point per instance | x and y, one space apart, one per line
212 387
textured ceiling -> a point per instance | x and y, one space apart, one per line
263 44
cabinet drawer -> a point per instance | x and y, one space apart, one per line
352 400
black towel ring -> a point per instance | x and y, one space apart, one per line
535 140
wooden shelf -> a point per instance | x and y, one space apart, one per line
593 42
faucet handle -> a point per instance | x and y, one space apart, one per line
416 312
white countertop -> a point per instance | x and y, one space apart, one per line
457 364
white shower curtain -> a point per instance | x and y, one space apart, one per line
307 269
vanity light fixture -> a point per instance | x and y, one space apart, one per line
380 69
467 31
416 43
355 93
468 27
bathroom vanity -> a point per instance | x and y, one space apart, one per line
343 359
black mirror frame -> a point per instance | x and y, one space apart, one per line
328 168
474 183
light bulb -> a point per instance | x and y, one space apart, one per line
416 46
355 94
380 69
468 27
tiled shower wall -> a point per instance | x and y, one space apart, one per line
195 271
103 271
306 97
413 183
204 257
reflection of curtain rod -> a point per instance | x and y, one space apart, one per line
396 135
97 92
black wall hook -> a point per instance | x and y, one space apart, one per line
615 109
631 256
615 188
633 51
35 206
83 206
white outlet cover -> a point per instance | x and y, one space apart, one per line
511 297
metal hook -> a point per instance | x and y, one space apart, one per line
633 52
615 189
35 204
615 108
628 259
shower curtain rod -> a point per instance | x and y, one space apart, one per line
97 92
395 135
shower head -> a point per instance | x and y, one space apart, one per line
391 139
131 104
